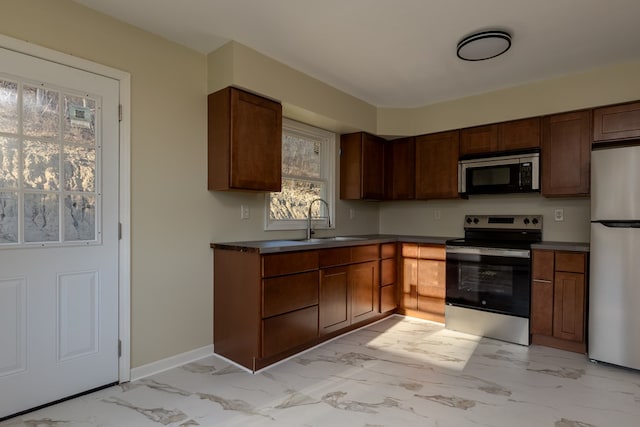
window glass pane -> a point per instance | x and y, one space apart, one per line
8 217
41 107
8 106
294 199
79 119
41 218
300 157
79 217
79 168
9 164
41 165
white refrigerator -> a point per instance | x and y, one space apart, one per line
614 284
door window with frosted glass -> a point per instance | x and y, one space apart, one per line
49 161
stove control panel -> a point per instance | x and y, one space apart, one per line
503 222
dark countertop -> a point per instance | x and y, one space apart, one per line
284 245
563 246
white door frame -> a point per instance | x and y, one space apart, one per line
124 246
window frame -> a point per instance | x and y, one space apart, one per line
327 174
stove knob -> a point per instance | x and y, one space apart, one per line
476 220
468 220
526 221
534 221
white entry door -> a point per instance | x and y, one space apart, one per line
59 140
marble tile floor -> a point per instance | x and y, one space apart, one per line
398 372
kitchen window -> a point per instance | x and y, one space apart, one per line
308 165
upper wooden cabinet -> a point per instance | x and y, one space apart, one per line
399 169
506 136
519 134
479 139
436 170
245 141
566 154
616 122
361 166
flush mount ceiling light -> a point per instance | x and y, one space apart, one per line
484 45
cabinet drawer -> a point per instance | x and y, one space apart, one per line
542 265
287 331
288 293
290 262
410 250
388 250
335 256
436 252
364 253
573 262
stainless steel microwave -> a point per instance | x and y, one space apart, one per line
515 173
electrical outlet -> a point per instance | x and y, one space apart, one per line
352 213
558 214
244 212
436 214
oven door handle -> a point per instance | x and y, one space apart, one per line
470 250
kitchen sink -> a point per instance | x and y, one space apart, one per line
332 239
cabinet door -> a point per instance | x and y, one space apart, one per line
335 310
542 292
519 134
617 122
568 306
409 298
364 283
437 165
566 154
372 167
361 166
400 167
431 288
479 139
256 144
245 141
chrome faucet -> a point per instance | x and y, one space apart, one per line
309 230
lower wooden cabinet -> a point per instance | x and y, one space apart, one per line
388 277
268 307
558 299
423 278
349 293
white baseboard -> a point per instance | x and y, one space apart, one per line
171 362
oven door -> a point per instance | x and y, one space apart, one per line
489 279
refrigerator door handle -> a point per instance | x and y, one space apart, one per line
619 224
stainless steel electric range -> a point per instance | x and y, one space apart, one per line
489 276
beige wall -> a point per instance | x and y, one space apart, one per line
174 217
601 86
172 220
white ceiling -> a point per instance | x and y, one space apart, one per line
400 53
